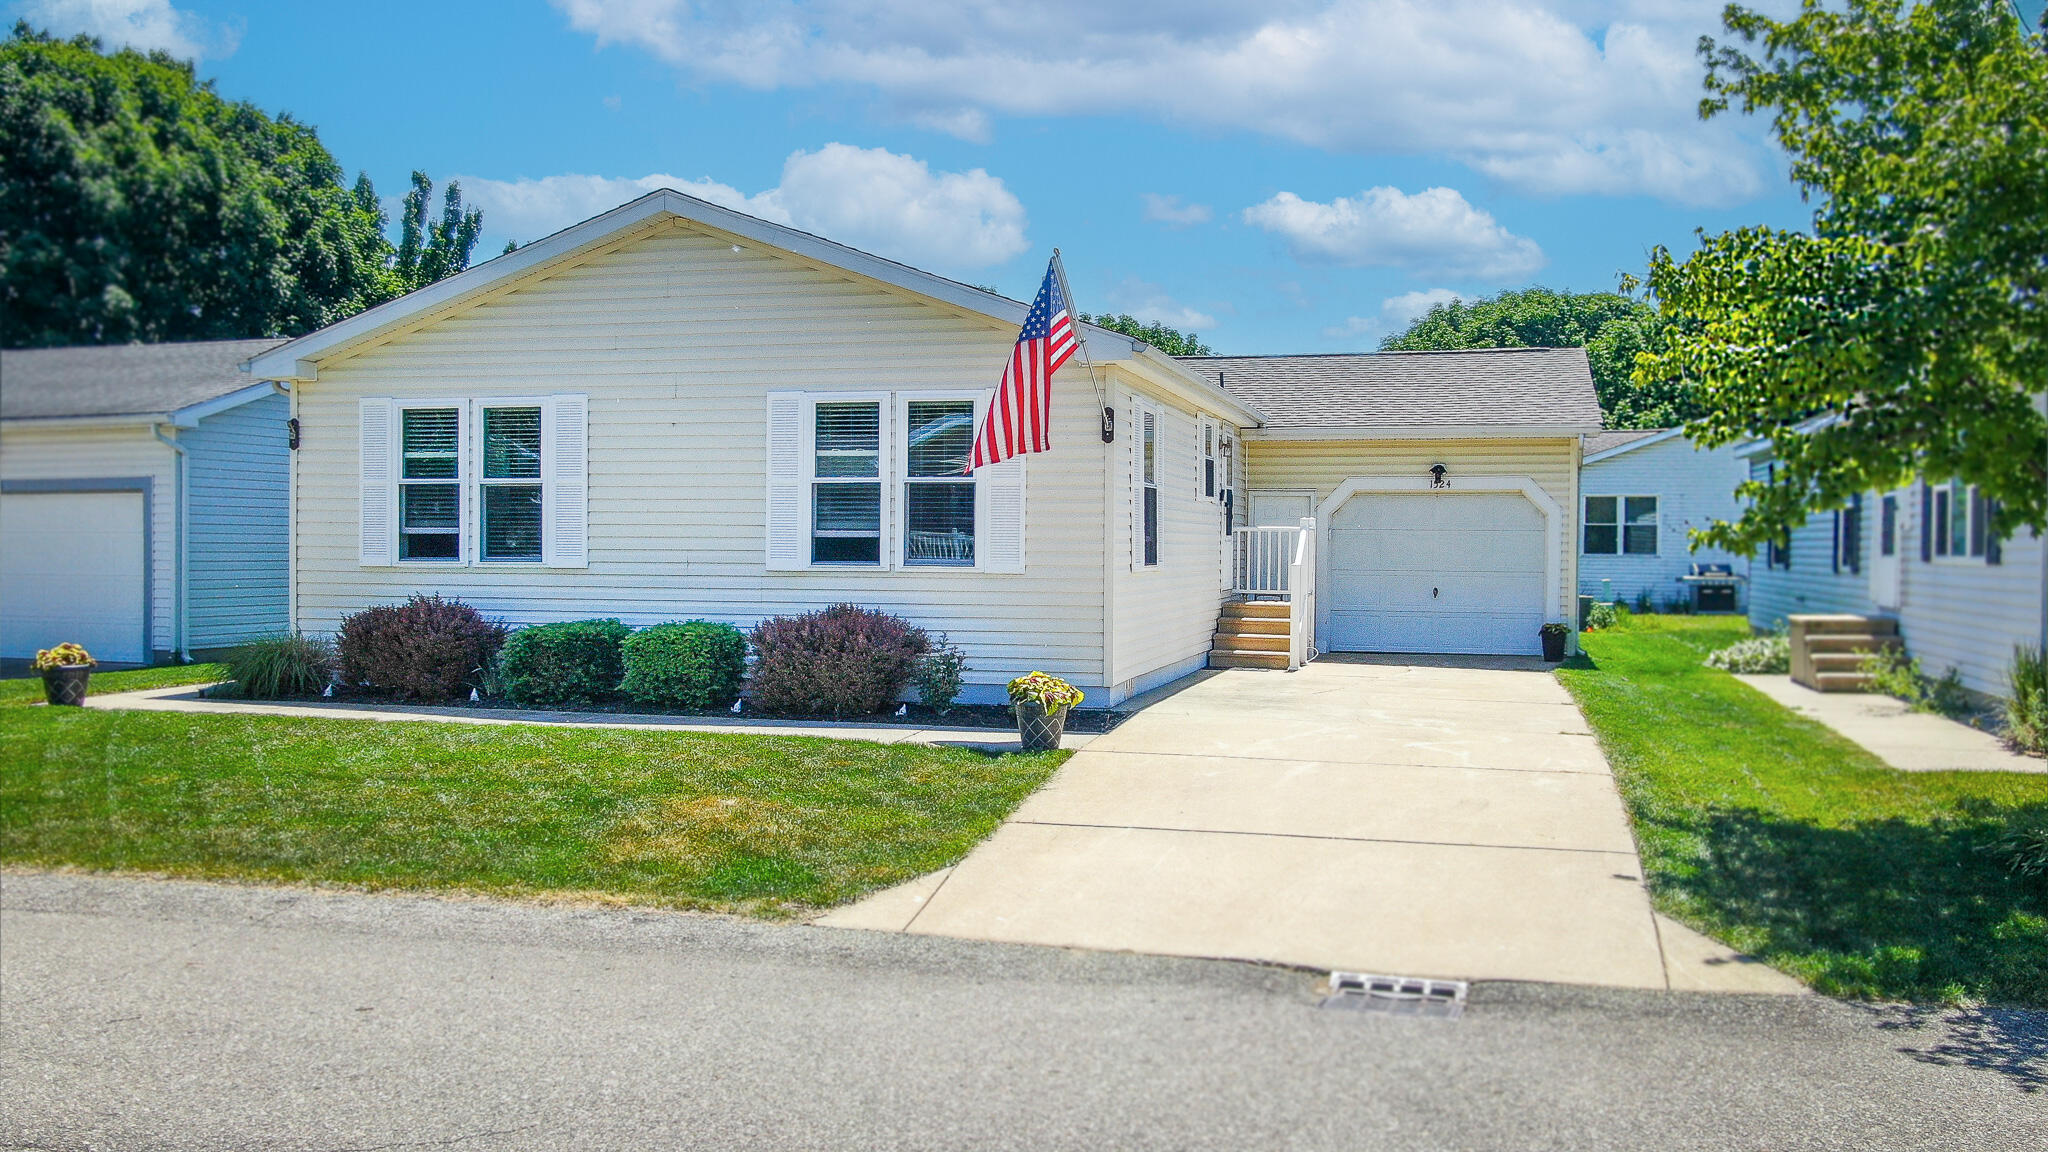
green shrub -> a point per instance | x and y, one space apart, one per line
1604 615
1758 655
1893 673
842 661
697 664
2026 713
939 674
426 649
557 665
287 664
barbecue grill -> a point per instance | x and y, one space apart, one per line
1713 587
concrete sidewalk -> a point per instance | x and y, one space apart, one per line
1907 740
187 699
1450 821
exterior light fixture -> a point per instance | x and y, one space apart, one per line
1108 425
1439 476
291 433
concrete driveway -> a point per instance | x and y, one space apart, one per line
1448 818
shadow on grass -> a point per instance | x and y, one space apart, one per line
1888 909
2011 1042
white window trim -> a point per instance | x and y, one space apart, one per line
1621 524
894 474
469 478
1968 510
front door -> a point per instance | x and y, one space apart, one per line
1887 567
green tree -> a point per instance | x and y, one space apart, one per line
138 205
429 251
1612 328
1169 340
1904 333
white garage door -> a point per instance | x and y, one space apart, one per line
1435 572
71 568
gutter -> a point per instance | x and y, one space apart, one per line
1418 432
178 512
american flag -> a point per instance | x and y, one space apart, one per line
1019 419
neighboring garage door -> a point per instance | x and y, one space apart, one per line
71 568
1435 572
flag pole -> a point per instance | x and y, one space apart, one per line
1108 416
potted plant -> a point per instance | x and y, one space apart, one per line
65 670
1554 634
1041 702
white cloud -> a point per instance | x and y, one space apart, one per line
1151 303
1169 210
1568 96
138 24
1396 312
1434 230
870 198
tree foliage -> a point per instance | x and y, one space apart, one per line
1904 333
1171 341
136 204
1612 328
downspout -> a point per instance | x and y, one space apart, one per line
291 511
178 547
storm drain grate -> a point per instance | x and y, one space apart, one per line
1396 995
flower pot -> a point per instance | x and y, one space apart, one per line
66 684
1553 646
1039 729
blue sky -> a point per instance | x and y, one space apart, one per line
1285 176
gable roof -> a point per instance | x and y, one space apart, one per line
1615 441
1468 393
299 359
111 380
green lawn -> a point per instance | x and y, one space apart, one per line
1787 841
29 689
766 825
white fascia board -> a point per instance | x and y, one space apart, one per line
1420 432
1188 387
298 359
191 414
140 420
1643 442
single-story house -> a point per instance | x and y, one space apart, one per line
1644 492
1922 556
143 500
676 410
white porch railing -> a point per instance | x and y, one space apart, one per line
1280 564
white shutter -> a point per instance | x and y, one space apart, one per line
565 490
379 496
1002 537
787 440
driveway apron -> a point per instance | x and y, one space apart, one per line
1443 818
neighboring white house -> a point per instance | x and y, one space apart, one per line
675 410
1643 492
1922 555
142 500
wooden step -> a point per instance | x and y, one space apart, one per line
1838 661
1823 625
1225 642
1251 626
1255 610
1850 642
1841 681
1248 660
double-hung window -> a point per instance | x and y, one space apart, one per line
474 481
938 495
846 489
1208 458
1624 525
1148 486
1961 520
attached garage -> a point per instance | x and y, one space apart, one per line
1454 572
75 567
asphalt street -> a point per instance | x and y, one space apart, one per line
141 1014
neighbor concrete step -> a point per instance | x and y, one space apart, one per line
1841 681
1251 626
1255 609
1227 643
1850 642
1248 660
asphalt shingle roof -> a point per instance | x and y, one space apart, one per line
121 379
1496 387
1602 441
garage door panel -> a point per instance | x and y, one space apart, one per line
71 568
1435 572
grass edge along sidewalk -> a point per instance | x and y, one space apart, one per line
773 826
1781 838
